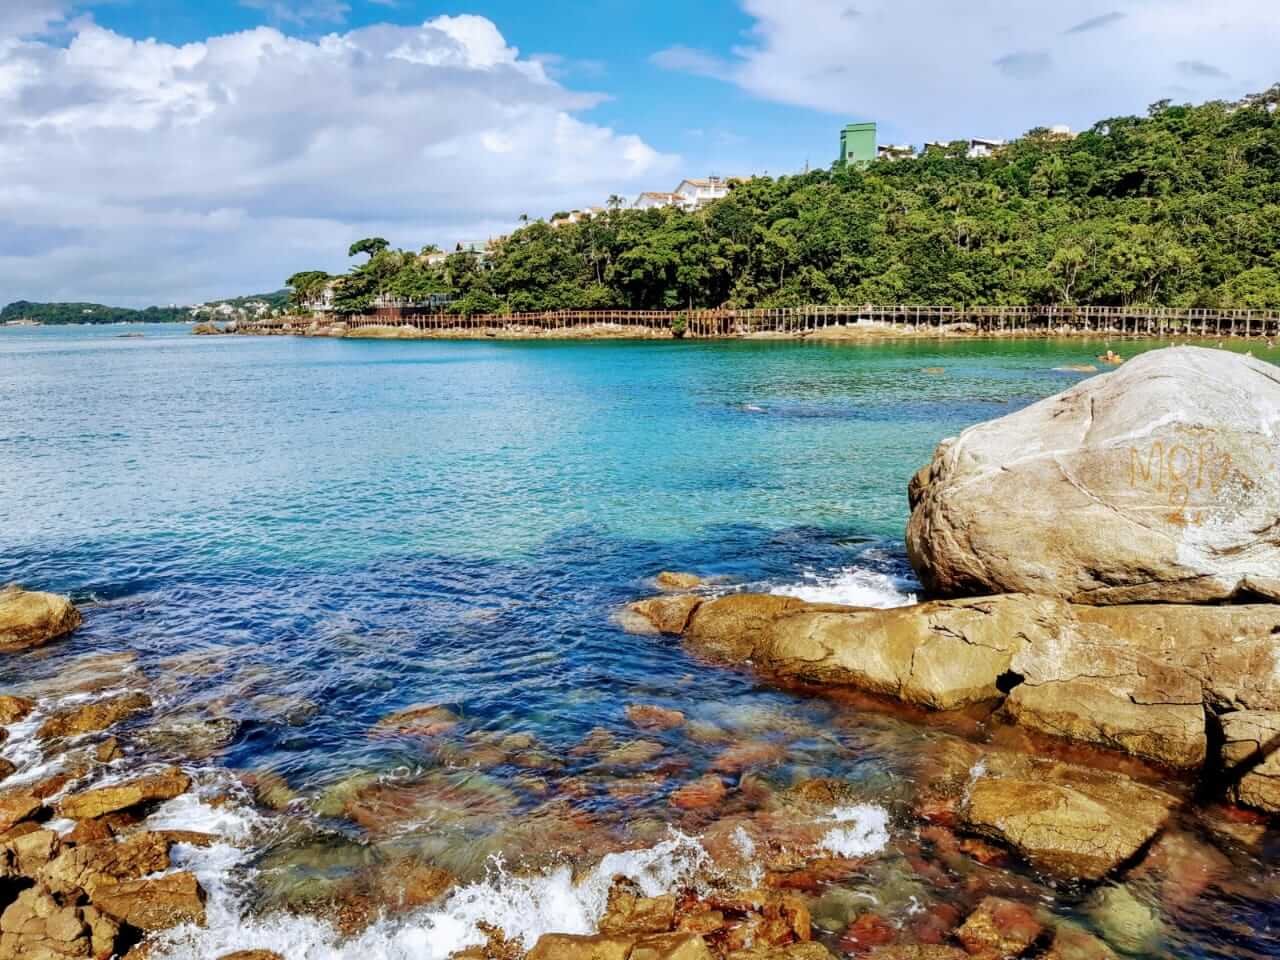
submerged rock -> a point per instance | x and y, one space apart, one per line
191 737
1000 929
1157 482
1126 922
31 619
421 720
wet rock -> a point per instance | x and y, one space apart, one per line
1124 921
672 946
108 750
17 806
422 720
565 946
95 716
36 927
86 867
745 756
7 768
13 709
732 628
701 794
31 619
1148 484
1067 820
103 800
634 753
252 955
191 737
668 614
269 789
628 912
155 903
672 580
792 951
650 717
920 951
1071 942
1000 928
868 931
404 884
1251 757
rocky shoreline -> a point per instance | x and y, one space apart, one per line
1100 647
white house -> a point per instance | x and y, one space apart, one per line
650 200
981 147
699 191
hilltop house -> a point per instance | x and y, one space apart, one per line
651 199
700 191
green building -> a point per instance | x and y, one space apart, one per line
858 144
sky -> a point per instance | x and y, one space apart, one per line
175 151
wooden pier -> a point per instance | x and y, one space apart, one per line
1030 321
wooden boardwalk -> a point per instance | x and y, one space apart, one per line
798 321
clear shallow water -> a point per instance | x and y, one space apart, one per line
305 535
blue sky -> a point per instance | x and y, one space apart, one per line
237 141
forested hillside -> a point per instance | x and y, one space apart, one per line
1180 208
56 313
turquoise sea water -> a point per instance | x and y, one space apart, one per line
304 535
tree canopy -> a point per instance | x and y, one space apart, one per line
1177 208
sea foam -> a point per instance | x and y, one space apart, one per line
851 586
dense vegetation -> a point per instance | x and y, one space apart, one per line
61 313
1180 208
56 313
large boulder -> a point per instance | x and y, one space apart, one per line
1159 481
101 801
31 619
36 927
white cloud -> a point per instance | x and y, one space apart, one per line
301 11
927 70
138 171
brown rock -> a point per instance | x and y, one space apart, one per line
25 854
671 580
15 807
36 927
87 867
634 753
103 800
868 931
1073 943
629 913
422 720
252 955
650 717
31 619
157 903
705 792
792 951
13 709
1067 820
920 951
665 614
91 717
564 946
744 756
108 750
672 946
1157 482
1000 928
1251 757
